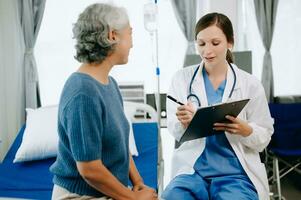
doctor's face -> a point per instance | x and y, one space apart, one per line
212 45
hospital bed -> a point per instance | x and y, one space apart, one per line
32 180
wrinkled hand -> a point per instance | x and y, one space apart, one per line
236 126
146 193
185 114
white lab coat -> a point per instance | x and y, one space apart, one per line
256 113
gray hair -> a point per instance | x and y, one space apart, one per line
92 29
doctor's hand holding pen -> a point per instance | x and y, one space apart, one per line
184 112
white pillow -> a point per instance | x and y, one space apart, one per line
40 139
130 110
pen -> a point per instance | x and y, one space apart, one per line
174 100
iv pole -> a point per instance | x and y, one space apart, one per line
158 75
150 23
151 12
150 20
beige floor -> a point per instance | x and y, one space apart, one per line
290 190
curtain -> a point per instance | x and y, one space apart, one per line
12 106
31 17
286 49
265 11
185 12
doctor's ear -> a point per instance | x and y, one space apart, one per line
230 46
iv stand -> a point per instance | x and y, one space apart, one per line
155 59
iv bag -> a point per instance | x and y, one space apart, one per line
150 16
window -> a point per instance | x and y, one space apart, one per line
285 48
55 47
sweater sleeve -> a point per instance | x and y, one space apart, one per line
84 126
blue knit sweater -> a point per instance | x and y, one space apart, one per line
91 126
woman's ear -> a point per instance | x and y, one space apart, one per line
230 46
112 36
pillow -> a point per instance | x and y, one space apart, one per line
40 139
130 110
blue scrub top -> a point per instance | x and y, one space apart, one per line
218 158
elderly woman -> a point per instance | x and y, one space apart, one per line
93 160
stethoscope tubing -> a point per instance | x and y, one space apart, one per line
190 95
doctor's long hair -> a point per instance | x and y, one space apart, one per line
221 21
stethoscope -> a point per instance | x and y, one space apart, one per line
191 95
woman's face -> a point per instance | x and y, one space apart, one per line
212 45
124 44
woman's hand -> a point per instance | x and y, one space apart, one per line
185 114
139 186
236 126
146 193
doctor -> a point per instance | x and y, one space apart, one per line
224 166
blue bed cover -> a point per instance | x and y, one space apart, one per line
34 181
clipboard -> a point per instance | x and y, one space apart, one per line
201 124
